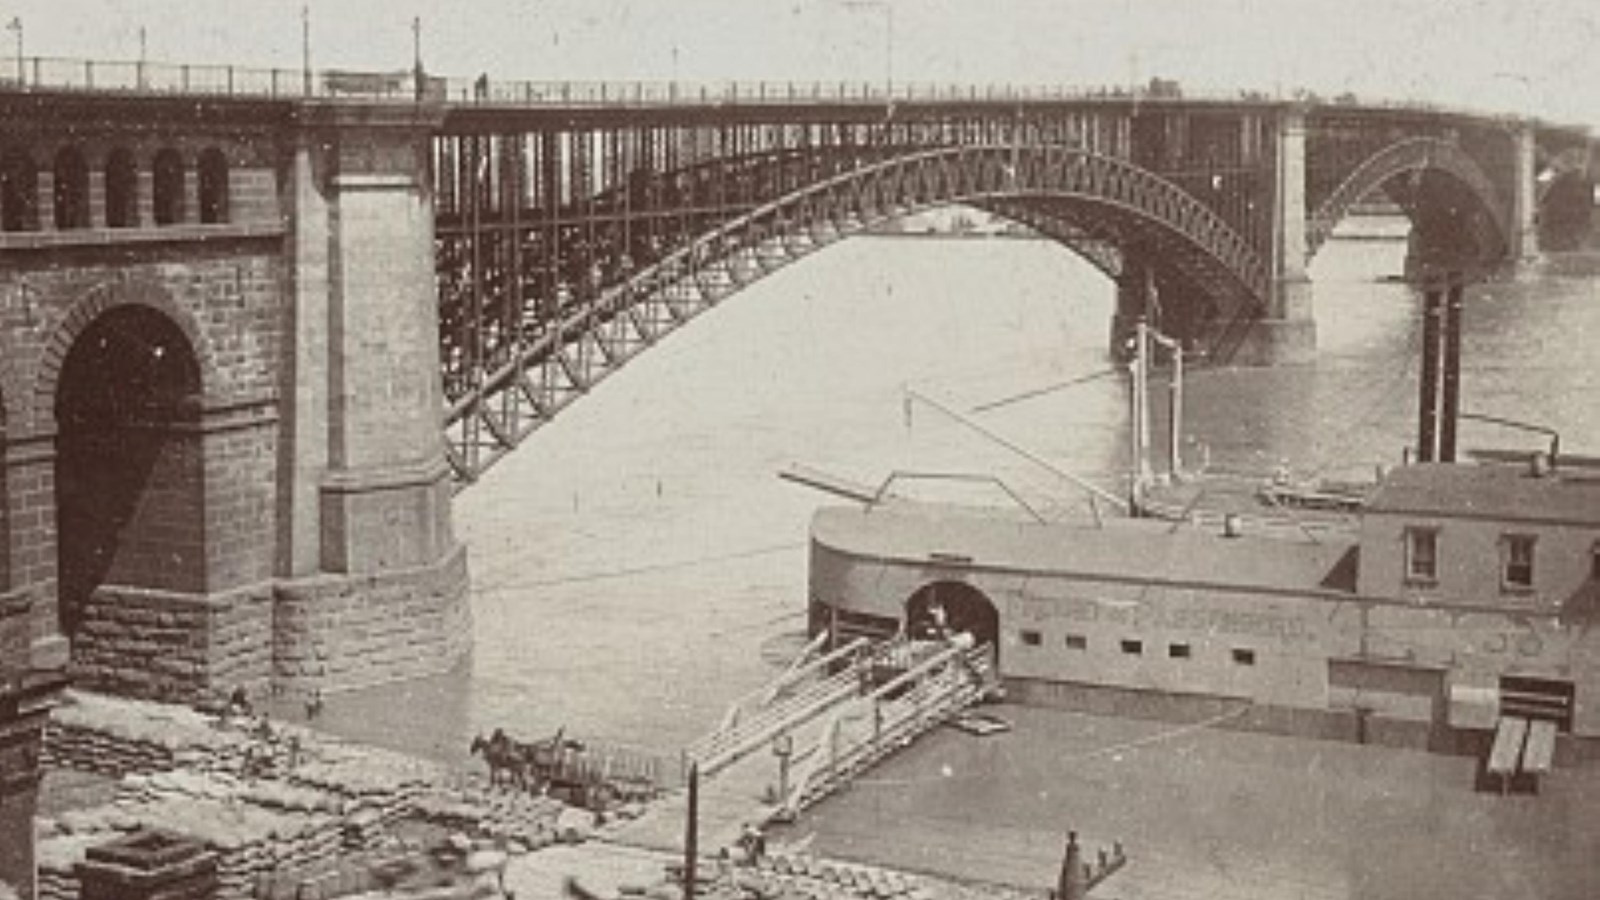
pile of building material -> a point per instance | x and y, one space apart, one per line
269 799
115 737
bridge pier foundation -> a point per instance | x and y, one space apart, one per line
374 582
1288 335
1277 342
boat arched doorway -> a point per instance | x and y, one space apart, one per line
965 609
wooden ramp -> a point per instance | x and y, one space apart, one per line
1539 752
831 727
1522 751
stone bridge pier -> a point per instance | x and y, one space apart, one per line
219 377
1284 330
371 580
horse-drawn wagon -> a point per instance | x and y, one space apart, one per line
591 776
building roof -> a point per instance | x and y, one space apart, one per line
1506 493
1124 550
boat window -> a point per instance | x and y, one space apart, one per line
1178 651
1077 642
1422 555
1132 647
1244 656
1516 562
1032 638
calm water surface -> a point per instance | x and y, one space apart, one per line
637 564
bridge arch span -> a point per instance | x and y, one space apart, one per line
1416 155
1081 197
1572 162
1565 195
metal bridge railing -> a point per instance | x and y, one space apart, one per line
57 73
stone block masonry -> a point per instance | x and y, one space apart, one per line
170 645
334 633
178 537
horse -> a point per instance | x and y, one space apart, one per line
505 757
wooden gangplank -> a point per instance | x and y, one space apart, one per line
1509 736
1539 752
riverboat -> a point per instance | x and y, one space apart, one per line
1466 595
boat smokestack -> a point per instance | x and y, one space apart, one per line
1439 402
1450 413
1428 401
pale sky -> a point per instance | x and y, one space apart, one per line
1516 56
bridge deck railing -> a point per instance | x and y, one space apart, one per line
56 73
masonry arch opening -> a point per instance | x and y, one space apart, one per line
128 468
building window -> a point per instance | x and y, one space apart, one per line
213 186
1032 638
1077 642
1178 651
122 189
1594 561
167 187
1132 647
1244 657
1516 562
1422 555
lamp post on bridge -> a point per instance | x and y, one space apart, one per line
416 60
305 48
887 8
15 26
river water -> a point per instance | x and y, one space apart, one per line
637 563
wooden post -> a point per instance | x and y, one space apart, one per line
1072 885
1450 401
691 837
1428 401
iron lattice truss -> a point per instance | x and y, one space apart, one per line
525 332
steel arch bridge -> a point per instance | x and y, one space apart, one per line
537 366
569 238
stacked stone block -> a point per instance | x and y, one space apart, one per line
336 633
174 646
